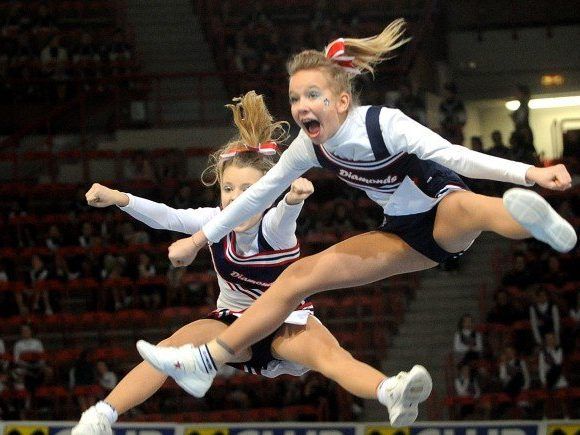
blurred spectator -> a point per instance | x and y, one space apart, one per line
26 343
62 271
87 58
86 237
54 239
519 275
524 150
28 352
44 22
466 385
410 104
141 168
184 197
499 149
513 372
554 274
476 144
119 53
83 374
504 312
467 345
54 58
107 379
550 364
39 273
150 293
452 115
544 317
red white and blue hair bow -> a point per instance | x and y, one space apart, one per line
335 51
267 148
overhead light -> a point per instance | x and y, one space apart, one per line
546 103
552 80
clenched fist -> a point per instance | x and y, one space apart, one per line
554 177
101 196
183 251
300 190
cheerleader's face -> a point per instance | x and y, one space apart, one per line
234 182
315 106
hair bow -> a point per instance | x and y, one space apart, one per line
267 148
335 51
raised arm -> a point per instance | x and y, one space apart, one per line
296 160
279 224
153 214
402 134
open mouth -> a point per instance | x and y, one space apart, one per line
312 127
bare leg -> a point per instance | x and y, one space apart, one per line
462 216
315 347
353 262
143 381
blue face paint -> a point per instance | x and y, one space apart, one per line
326 102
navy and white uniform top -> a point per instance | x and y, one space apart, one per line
388 178
246 262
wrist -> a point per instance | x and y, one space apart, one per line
291 200
198 240
122 199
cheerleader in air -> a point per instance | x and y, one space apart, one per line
411 172
247 260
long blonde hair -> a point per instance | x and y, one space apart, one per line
255 126
367 53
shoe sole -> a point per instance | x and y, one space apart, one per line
537 216
418 387
146 351
406 417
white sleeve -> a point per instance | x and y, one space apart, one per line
458 344
526 375
478 343
556 317
297 159
163 217
279 225
460 388
402 134
503 374
534 325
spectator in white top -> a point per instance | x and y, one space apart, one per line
466 385
27 343
30 369
467 342
107 379
550 363
513 373
544 317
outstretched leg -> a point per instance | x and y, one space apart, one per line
357 261
143 381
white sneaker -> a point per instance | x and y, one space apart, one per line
185 364
92 422
534 213
403 393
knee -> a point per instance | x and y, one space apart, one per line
330 360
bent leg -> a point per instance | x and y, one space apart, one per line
143 381
463 215
315 347
356 261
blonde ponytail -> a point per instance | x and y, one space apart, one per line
255 126
366 53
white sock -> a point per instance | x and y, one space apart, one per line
386 384
204 360
107 410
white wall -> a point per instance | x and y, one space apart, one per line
485 116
